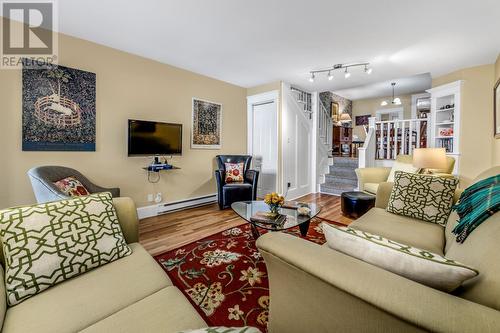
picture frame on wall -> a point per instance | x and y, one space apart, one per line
496 110
335 111
362 120
206 124
58 109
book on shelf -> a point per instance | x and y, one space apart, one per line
267 218
446 143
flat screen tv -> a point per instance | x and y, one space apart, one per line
151 138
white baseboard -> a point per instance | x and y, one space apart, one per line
158 209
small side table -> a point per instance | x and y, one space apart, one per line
355 204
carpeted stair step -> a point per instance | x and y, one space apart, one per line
338 181
343 172
331 190
345 162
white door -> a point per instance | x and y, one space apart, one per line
264 147
297 151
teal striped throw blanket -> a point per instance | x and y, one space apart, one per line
476 204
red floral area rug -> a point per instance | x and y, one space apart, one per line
225 277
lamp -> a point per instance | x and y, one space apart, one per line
429 158
345 118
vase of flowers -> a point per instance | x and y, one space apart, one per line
274 201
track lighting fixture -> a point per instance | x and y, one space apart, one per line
347 74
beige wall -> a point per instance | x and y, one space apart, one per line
369 106
128 86
264 88
496 145
476 137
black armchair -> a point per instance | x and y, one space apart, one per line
232 192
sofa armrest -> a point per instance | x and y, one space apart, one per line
252 177
345 294
127 216
372 175
383 193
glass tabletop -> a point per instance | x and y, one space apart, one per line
246 209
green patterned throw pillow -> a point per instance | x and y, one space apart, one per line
48 243
424 197
413 263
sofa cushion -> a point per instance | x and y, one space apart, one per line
406 230
83 300
165 311
48 243
401 166
71 187
423 197
234 172
371 187
413 263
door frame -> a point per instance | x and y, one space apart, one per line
272 96
395 110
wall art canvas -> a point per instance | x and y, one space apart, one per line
206 131
59 109
362 120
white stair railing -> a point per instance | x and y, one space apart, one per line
387 139
325 126
366 154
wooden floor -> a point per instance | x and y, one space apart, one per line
163 233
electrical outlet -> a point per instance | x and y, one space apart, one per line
288 185
150 197
158 197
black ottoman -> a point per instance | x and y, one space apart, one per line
355 204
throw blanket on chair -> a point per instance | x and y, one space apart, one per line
476 204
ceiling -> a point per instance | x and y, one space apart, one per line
404 86
248 43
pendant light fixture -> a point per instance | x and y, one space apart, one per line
394 101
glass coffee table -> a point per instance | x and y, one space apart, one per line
246 209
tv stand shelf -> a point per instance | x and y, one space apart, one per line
160 167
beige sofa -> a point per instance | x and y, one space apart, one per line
370 178
316 289
132 294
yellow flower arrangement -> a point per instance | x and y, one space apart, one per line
275 201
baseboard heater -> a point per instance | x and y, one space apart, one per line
188 203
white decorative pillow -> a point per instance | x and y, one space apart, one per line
400 166
415 264
49 243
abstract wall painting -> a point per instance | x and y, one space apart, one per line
59 109
206 131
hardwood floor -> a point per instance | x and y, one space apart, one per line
163 233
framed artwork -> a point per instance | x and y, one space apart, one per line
59 111
362 120
496 110
206 130
335 111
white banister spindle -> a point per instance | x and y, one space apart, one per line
403 138
410 137
419 128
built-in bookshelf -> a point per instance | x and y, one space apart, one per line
445 118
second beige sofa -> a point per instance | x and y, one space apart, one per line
316 289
